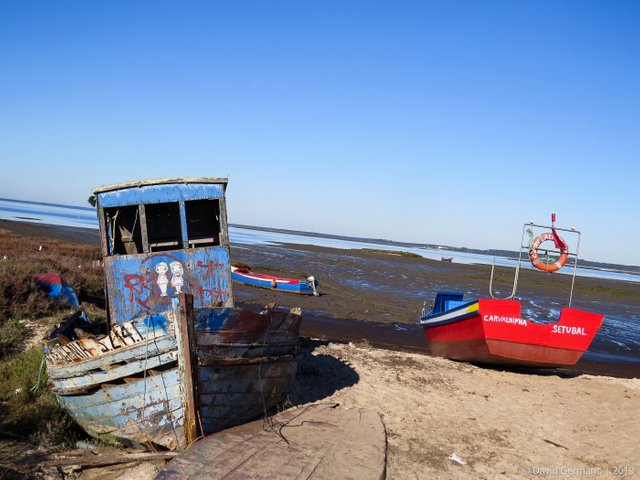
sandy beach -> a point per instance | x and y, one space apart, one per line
444 419
502 424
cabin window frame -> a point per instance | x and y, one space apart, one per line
220 236
158 215
115 243
193 209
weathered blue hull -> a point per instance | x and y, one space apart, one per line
179 360
163 380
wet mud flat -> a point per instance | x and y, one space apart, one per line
378 298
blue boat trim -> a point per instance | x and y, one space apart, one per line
448 308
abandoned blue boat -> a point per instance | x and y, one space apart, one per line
179 360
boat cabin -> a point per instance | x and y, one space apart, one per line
164 237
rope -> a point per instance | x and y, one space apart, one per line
144 392
530 245
111 238
268 422
164 385
37 384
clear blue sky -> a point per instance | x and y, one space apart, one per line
446 122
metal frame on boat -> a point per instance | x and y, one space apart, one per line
494 331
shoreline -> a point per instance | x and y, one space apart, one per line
443 419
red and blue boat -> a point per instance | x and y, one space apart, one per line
57 288
494 331
305 286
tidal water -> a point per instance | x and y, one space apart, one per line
71 216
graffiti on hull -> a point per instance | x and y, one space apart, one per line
147 285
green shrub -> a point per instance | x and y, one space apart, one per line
31 411
12 335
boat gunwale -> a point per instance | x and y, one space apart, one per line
160 181
104 357
429 320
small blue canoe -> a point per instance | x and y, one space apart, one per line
305 286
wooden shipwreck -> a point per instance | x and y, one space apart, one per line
179 360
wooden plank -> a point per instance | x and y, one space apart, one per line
137 352
318 442
248 340
91 380
93 460
143 227
187 372
114 416
120 337
124 393
229 372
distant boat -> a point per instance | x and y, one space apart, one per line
494 331
305 286
446 259
57 288
178 361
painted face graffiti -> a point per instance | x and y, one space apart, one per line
176 279
161 269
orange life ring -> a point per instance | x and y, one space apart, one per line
537 261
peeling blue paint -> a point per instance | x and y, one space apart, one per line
156 322
160 194
211 320
133 280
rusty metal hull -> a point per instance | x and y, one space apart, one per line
164 379
246 363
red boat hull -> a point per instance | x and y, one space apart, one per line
493 331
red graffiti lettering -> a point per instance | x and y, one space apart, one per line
137 285
208 294
210 266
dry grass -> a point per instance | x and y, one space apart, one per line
29 411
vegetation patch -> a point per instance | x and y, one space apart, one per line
31 412
613 292
23 257
397 253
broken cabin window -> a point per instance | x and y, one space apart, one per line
163 226
203 222
123 225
